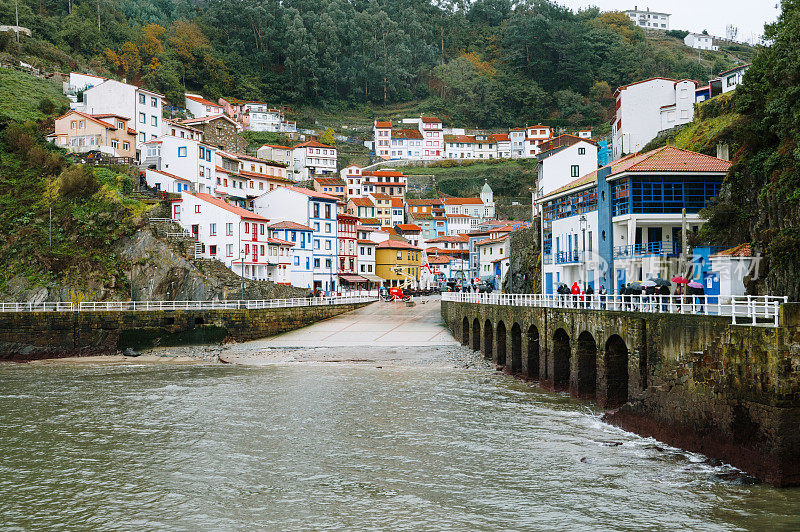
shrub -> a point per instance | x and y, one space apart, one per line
77 181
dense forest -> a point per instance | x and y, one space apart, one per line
486 63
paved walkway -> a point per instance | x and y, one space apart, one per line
379 324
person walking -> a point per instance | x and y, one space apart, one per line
589 295
603 293
575 291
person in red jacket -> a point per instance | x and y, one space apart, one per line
576 291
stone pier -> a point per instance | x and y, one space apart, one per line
697 382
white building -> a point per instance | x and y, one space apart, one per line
517 139
432 136
189 159
143 107
176 129
200 107
274 152
648 107
494 257
167 182
562 160
700 41
503 141
80 82
312 158
728 80
534 137
300 271
351 175
366 259
227 233
648 19
312 209
382 135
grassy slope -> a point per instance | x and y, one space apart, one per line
21 94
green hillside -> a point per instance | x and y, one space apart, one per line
25 97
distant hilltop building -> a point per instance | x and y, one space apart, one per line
648 19
700 42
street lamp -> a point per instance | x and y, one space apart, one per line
583 254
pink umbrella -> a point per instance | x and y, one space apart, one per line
680 280
694 284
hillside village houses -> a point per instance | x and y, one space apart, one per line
199 107
78 133
648 19
313 158
218 130
700 41
142 107
257 116
279 154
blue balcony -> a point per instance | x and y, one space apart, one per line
569 257
648 249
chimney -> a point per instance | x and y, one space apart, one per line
723 152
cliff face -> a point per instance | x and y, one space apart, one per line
525 271
163 269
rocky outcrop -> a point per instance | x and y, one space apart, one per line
162 268
525 270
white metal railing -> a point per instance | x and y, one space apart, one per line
252 304
45 306
741 309
160 220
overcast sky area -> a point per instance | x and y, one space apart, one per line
693 15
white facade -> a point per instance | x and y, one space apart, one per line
200 107
648 107
565 165
534 136
458 224
700 41
167 182
366 257
227 233
315 210
312 158
517 138
490 252
352 176
730 79
189 159
80 82
649 19
503 146
432 136
143 107
574 241
300 271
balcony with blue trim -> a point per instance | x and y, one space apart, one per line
648 249
569 257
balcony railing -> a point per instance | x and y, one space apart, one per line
648 249
756 310
569 257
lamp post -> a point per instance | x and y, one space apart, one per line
583 245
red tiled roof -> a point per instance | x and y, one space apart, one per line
430 120
362 202
563 140
383 124
329 181
286 224
107 115
311 193
456 216
380 196
490 241
406 134
431 201
623 87
370 221
273 240
467 139
173 176
230 208
733 69
90 117
742 250
462 201
499 137
397 202
202 100
439 260
311 144
409 227
396 244
384 173
361 241
450 238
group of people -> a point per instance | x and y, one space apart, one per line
583 296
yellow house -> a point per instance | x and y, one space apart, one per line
80 132
397 262
383 208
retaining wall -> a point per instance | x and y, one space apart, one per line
36 335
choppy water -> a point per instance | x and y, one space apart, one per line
340 447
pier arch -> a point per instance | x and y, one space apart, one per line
615 365
465 331
533 352
476 334
488 339
516 348
561 356
501 343
586 382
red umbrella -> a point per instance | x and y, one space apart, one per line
680 280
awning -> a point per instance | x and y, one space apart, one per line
351 278
373 278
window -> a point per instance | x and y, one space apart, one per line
229 229
327 211
142 99
212 250
197 209
297 261
126 145
327 263
142 118
153 101
399 255
316 215
327 228
154 120
574 170
316 263
308 262
212 229
182 151
229 250
581 151
327 244
316 243
247 227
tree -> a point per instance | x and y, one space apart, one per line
327 137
